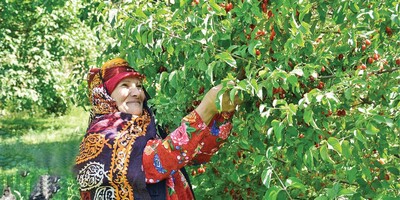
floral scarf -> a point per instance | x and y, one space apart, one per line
109 163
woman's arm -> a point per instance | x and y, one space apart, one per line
164 157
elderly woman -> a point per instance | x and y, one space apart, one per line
122 156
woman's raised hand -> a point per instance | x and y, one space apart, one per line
207 108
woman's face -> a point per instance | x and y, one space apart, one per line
129 96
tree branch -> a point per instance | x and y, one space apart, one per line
375 73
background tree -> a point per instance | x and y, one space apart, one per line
43 48
319 80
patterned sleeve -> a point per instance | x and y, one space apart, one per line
162 158
220 128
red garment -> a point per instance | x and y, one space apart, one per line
191 143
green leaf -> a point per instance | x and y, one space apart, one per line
394 170
335 144
295 183
226 57
232 94
278 127
299 39
351 175
366 172
258 159
371 129
308 115
266 176
139 12
272 193
334 191
292 79
308 159
348 93
360 136
218 9
324 154
270 152
345 191
346 149
172 79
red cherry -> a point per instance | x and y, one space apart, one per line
270 14
201 90
201 170
260 33
362 67
317 145
329 113
228 7
258 103
388 31
341 113
162 69
387 177
321 85
398 61
189 109
196 103
226 190
272 36
194 173
367 42
264 8
340 57
363 47
323 69
376 56
258 52
252 26
290 64
301 135
196 2
320 137
370 60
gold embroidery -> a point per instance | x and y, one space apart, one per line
116 62
122 149
91 146
102 103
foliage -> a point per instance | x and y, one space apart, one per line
43 48
319 79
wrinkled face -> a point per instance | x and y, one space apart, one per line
129 96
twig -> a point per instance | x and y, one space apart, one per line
280 181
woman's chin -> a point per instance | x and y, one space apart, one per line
137 112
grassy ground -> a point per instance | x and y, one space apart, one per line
31 147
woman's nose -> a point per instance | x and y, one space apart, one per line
134 91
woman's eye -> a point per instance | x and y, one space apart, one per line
139 86
124 85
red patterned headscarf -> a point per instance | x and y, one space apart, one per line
102 83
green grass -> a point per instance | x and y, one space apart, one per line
40 146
